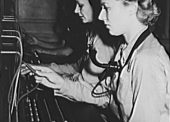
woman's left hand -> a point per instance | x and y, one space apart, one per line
48 77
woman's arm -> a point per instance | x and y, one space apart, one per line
71 68
80 90
149 90
65 68
74 88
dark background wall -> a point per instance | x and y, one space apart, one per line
38 17
162 25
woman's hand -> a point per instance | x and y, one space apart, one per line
47 77
24 69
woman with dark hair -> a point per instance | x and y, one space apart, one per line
79 84
142 84
76 81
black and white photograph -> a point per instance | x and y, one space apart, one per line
84 61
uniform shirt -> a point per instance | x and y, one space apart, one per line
144 85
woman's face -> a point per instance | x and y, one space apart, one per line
84 10
115 16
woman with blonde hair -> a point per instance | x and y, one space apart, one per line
142 84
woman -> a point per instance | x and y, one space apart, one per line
84 81
143 85
77 83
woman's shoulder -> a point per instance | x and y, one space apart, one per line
150 47
150 51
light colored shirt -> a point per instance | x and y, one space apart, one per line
144 86
79 86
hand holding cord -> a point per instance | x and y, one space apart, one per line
42 97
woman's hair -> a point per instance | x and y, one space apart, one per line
147 12
96 8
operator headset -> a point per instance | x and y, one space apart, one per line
113 66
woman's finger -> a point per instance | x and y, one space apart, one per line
41 68
24 71
38 78
45 82
41 73
38 81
